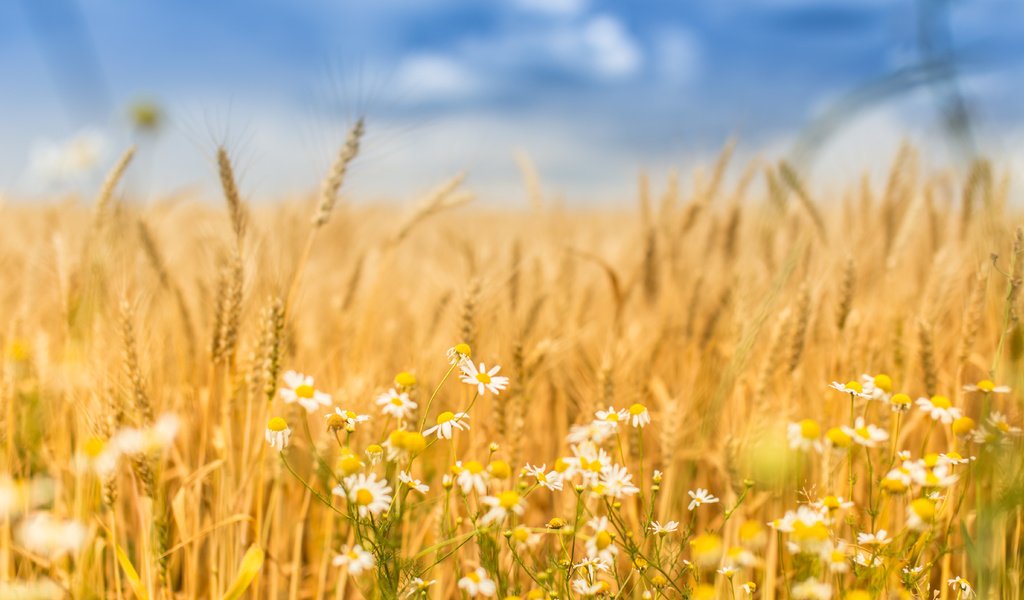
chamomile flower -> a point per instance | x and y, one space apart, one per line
355 559
998 421
459 353
900 402
805 435
920 514
551 480
611 417
639 416
414 484
419 586
477 583
939 408
504 504
868 436
707 550
867 560
838 559
484 380
447 423
987 387
591 565
728 571
299 388
938 476
590 461
669 527
878 387
832 503
874 539
700 498
396 404
471 475
616 482
961 585
601 545
278 433
749 587
584 588
344 419
366 493
854 388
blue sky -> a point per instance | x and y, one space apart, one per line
592 89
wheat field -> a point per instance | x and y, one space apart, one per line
744 387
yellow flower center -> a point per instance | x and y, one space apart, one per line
831 502
941 402
963 425
352 554
305 391
561 465
277 424
809 429
364 497
839 437
883 382
349 464
93 447
483 378
508 500
473 576
931 459
397 401
900 399
954 456
893 485
706 544
855 386
637 409
816 532
1003 426
612 417
405 379
602 540
521 534
838 556
923 508
986 386
463 349
499 469
473 467
445 417
863 432
374 449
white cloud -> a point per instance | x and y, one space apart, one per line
432 77
612 51
678 56
553 7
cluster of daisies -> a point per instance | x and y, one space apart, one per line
605 539
916 498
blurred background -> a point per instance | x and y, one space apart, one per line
591 90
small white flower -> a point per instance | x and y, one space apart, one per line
415 484
502 505
939 408
998 421
583 588
418 586
601 545
804 435
987 387
356 559
447 423
471 475
874 539
864 559
483 379
669 527
728 571
299 388
611 417
551 480
395 404
961 585
701 497
854 388
617 482
459 353
868 436
278 433
366 493
348 418
477 582
639 416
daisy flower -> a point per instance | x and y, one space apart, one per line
832 503
395 404
868 436
669 527
299 388
874 539
700 497
728 571
865 559
502 506
417 586
961 585
988 387
483 379
471 475
749 587
639 416
804 435
853 388
838 561
414 484
552 480
920 514
601 545
477 582
592 565
900 402
998 421
447 422
617 482
459 353
938 476
583 588
370 496
344 419
610 418
939 408
278 433
356 559
878 387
